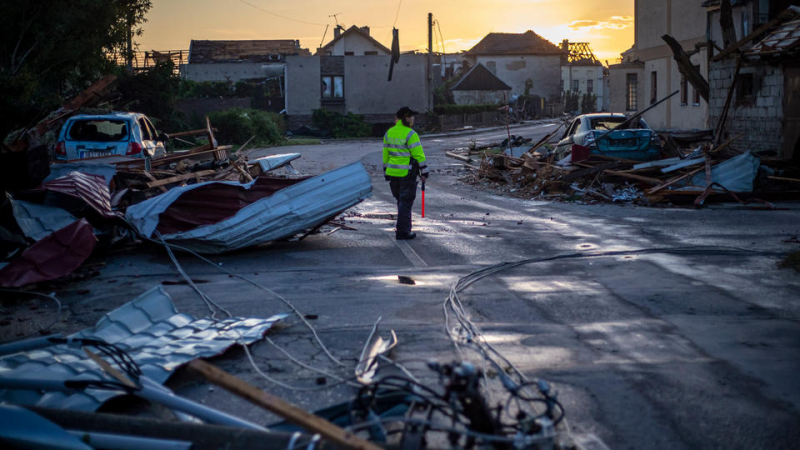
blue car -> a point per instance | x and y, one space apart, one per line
638 142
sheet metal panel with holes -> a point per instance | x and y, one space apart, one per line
284 213
157 336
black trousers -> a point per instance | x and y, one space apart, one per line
404 191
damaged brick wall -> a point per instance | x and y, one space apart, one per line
756 108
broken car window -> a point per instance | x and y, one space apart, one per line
98 130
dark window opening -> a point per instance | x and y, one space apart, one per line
375 53
745 90
653 87
684 91
99 130
589 86
631 92
349 54
696 99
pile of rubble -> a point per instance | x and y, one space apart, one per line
692 169
209 199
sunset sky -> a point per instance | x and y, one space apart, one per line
606 24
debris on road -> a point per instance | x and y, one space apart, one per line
157 337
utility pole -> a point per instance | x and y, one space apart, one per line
429 66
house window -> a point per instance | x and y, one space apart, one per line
745 90
332 87
372 53
589 86
576 86
684 91
696 97
562 86
631 92
745 23
349 54
653 87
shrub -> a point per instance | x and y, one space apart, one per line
237 125
340 125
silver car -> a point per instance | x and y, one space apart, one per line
118 133
638 142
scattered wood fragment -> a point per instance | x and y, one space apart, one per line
178 178
784 179
674 180
466 159
276 405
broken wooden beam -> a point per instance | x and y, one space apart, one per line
178 178
674 180
282 408
466 159
686 68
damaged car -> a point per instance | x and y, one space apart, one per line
118 133
601 134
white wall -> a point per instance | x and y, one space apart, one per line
478 97
582 74
355 43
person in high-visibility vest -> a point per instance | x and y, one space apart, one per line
403 161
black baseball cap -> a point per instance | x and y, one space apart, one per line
405 111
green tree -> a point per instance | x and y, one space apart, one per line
52 49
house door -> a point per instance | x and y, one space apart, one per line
791 115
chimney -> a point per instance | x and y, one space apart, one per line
565 45
337 31
365 30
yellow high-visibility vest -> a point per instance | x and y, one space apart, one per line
400 144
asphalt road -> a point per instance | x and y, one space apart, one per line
693 345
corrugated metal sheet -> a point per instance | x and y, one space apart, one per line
92 189
39 221
285 213
106 171
273 162
52 257
150 329
736 174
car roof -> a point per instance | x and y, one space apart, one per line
112 115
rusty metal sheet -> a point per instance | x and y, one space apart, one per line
52 257
92 189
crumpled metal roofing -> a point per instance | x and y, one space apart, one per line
784 39
150 329
59 170
92 189
52 257
273 162
39 221
737 174
285 213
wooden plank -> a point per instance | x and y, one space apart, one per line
458 157
785 179
282 408
172 158
152 178
683 164
175 179
674 180
631 176
188 133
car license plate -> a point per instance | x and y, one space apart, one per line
92 154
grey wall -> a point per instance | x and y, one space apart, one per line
366 88
761 121
544 71
303 80
617 87
232 72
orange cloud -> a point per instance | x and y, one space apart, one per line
613 23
